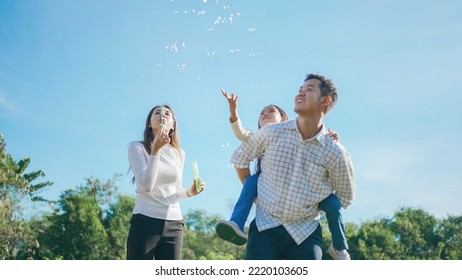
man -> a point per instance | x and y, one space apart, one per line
301 166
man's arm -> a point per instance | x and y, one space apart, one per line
249 150
344 180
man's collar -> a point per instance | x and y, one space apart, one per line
319 136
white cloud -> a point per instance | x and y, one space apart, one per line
5 104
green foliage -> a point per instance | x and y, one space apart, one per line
201 243
450 234
17 240
374 241
415 230
412 234
117 224
78 228
75 231
16 184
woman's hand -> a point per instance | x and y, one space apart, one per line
192 191
160 140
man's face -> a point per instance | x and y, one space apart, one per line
308 97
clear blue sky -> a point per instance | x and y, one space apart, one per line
77 79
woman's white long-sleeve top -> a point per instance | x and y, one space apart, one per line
158 181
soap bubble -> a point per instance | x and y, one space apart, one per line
208 52
182 67
219 20
176 46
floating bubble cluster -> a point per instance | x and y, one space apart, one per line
216 14
208 52
182 67
193 12
176 46
228 19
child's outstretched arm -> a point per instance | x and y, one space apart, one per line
239 131
232 102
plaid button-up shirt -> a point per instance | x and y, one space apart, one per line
296 175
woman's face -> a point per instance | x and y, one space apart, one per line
269 114
162 116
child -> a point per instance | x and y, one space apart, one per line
233 230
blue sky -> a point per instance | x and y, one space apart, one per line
77 79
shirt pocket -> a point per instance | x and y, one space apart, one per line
317 177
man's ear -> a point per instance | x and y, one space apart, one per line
327 100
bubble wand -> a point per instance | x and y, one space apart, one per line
162 113
196 176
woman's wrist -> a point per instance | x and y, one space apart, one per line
155 152
187 193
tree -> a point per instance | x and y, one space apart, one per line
415 230
374 241
117 224
450 230
201 242
411 234
75 230
17 240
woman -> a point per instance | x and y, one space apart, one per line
156 227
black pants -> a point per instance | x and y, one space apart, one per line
151 238
277 244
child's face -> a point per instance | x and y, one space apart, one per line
269 114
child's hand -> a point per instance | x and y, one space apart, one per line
333 135
232 102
